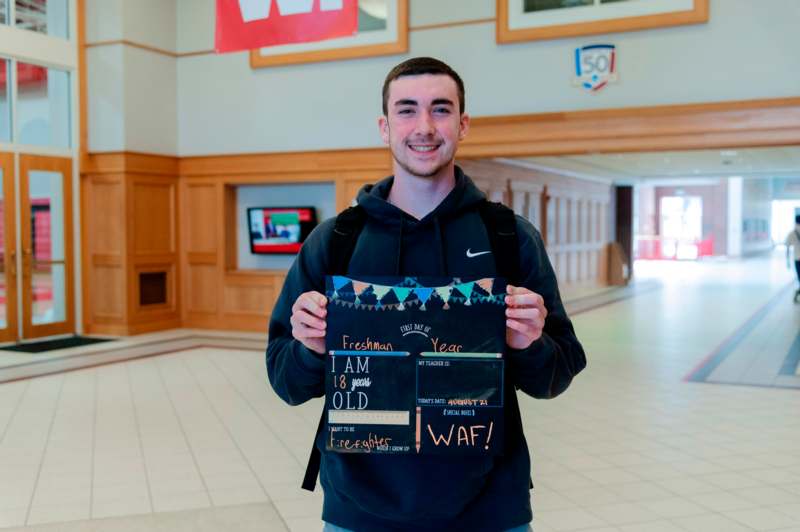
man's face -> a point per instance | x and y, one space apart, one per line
423 124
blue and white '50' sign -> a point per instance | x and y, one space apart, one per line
595 66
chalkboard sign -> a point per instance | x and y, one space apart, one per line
415 365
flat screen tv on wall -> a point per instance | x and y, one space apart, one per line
280 230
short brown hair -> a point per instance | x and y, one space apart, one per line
417 66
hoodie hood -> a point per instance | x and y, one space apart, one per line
401 244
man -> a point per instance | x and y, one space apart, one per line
793 241
424 221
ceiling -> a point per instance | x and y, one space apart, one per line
669 166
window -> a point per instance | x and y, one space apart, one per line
5 107
43 105
42 16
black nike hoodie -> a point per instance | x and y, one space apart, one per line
372 492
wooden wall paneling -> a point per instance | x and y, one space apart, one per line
201 235
581 254
496 189
247 300
527 201
229 227
104 253
348 184
154 215
694 126
130 224
154 247
199 207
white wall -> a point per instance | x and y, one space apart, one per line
747 50
217 104
105 93
131 91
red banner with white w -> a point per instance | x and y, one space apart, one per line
249 24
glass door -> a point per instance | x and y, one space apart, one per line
46 242
8 254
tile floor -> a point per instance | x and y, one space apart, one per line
196 440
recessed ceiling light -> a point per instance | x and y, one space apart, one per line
729 153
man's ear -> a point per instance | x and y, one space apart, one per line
383 126
463 126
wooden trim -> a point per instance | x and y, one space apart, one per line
748 123
128 162
287 163
149 48
698 14
133 44
9 274
336 54
658 128
62 165
197 52
230 258
193 257
425 27
83 125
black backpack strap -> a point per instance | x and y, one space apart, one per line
501 226
346 231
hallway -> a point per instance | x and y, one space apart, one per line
196 440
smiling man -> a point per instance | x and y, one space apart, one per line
427 219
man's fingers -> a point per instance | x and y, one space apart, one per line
312 302
522 297
519 326
303 318
531 315
301 332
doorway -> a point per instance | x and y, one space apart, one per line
36 270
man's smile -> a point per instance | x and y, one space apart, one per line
423 148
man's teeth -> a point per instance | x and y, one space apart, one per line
423 148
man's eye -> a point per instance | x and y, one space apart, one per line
442 110
405 111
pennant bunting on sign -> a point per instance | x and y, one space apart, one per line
486 285
465 289
401 293
463 293
381 291
423 294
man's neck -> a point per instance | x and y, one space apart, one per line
418 196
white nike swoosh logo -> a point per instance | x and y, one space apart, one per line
470 254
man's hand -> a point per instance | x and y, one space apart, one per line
308 320
525 314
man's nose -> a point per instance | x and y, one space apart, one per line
424 123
